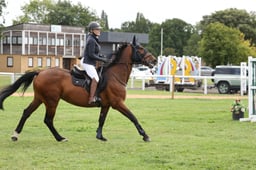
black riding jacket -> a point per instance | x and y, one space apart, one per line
92 50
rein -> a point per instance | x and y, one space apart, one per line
137 57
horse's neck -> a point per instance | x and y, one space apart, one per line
126 64
122 70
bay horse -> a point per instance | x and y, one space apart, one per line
52 84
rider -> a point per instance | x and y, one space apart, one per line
90 56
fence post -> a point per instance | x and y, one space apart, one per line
143 83
173 79
132 82
205 85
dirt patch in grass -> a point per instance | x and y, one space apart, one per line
140 96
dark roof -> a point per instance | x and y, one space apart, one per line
122 37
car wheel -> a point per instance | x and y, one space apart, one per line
223 87
212 75
180 89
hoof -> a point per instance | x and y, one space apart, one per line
15 135
146 139
14 138
64 140
101 138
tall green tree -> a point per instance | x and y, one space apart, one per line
60 12
65 13
176 33
35 12
104 20
191 49
154 44
223 45
2 6
234 18
140 25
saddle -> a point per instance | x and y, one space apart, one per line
81 78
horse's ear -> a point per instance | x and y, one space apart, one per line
134 40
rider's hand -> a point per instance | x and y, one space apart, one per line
106 60
102 56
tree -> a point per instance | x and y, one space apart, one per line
223 45
141 25
234 18
154 44
176 33
2 6
104 20
50 12
35 12
191 49
64 13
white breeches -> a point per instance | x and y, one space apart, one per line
90 70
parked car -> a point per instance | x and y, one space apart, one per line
141 71
227 79
207 71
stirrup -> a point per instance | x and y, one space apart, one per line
96 100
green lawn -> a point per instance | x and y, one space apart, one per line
185 133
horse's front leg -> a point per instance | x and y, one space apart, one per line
102 118
126 112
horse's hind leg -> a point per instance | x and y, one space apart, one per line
48 120
26 113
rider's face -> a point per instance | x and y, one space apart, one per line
96 32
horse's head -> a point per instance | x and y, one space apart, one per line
141 55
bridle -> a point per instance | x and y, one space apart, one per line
137 57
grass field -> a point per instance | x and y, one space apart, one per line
185 133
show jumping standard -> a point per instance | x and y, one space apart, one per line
53 84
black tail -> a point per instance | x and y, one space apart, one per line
24 80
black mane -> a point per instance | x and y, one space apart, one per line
117 54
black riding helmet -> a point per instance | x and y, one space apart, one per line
93 25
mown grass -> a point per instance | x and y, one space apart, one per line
185 133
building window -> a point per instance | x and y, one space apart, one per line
5 40
9 61
39 62
76 42
8 40
113 47
60 42
19 40
68 42
35 40
51 41
30 40
30 62
14 40
57 62
48 62
42 40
